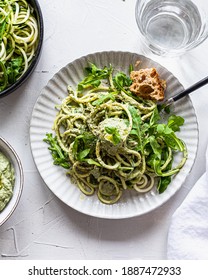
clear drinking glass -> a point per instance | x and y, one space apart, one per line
172 27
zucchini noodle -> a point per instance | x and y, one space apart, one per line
113 141
18 40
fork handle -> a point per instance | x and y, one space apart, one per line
192 88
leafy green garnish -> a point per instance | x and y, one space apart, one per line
14 69
115 134
163 184
155 117
156 148
122 82
94 77
168 132
136 127
59 156
174 122
154 139
84 146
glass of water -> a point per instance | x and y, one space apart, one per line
172 27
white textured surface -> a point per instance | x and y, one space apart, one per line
43 227
131 204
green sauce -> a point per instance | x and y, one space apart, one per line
7 179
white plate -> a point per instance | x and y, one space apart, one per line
54 176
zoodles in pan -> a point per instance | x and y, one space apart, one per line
18 40
111 140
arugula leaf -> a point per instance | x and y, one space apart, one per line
173 142
163 129
157 150
83 145
137 121
59 156
155 117
174 122
137 127
82 155
115 134
163 184
168 132
94 77
122 82
157 165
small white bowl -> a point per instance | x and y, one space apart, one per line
12 156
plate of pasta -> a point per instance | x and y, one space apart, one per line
101 141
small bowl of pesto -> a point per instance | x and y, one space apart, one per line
11 180
21 39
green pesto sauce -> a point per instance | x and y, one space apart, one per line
6 181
